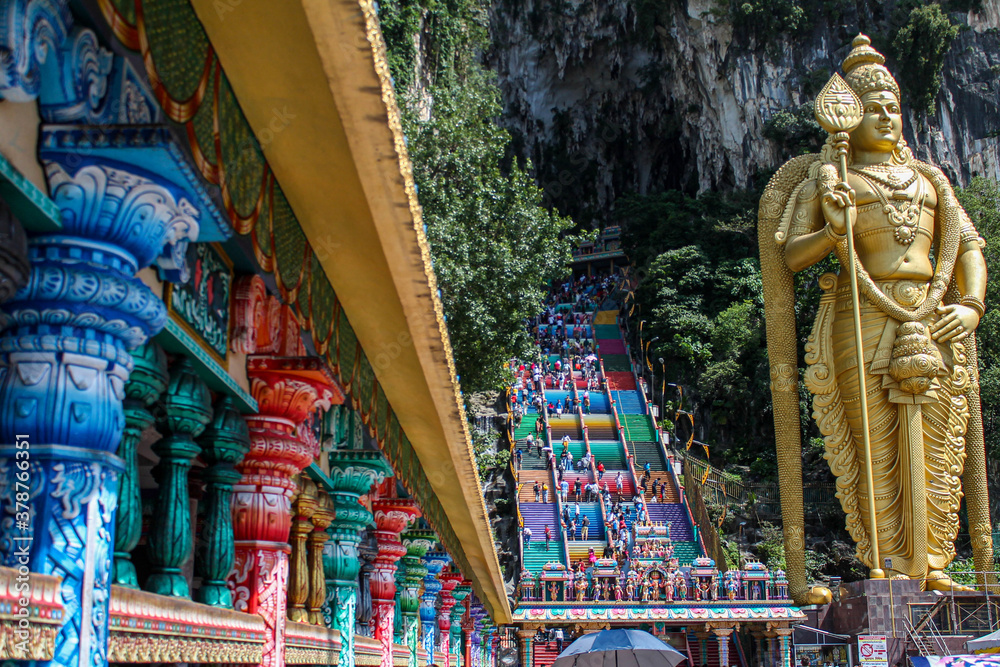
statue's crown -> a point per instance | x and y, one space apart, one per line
864 69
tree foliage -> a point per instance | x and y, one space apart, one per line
702 298
796 131
494 245
920 47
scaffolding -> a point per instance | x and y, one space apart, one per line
957 612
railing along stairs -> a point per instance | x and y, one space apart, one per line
931 643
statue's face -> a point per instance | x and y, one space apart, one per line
881 125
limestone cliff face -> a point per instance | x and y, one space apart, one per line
605 101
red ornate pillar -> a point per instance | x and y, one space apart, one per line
289 388
468 624
392 516
449 580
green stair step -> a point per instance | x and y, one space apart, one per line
608 453
638 427
685 552
616 362
607 331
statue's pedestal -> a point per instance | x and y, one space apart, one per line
870 606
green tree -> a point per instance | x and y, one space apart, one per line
920 47
796 131
495 247
701 296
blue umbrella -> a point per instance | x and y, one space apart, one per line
619 648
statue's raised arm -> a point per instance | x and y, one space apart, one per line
907 319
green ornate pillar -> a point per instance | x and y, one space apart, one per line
187 408
703 645
224 443
353 473
147 381
408 580
457 613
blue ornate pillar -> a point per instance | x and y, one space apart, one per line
477 637
435 561
64 362
488 632
784 640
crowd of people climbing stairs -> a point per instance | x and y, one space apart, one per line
550 391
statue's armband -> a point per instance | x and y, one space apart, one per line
969 237
806 216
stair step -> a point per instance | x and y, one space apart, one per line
565 425
628 402
680 528
711 659
581 550
599 404
607 331
637 428
616 363
593 512
576 447
620 380
609 346
609 453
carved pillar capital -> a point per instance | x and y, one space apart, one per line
353 473
187 410
289 390
32 33
321 518
435 562
65 345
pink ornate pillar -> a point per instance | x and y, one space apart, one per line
289 388
392 516
449 580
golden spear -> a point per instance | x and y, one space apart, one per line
839 111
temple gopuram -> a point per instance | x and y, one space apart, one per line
608 538
230 426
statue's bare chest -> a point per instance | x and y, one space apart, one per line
899 202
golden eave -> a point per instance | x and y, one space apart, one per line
313 73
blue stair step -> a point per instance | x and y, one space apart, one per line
593 511
628 402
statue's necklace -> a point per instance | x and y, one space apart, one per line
888 177
903 211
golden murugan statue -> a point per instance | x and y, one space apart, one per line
909 306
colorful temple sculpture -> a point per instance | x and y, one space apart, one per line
607 536
230 427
